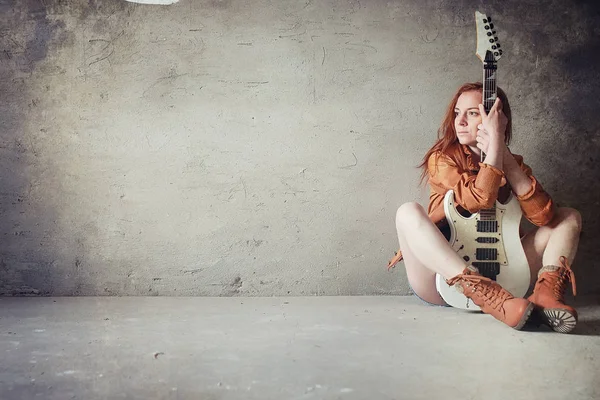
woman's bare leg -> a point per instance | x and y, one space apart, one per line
545 247
546 244
421 279
426 252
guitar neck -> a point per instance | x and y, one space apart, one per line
490 71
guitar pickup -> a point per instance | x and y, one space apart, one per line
486 254
487 226
487 240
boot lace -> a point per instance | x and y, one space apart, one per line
565 274
493 294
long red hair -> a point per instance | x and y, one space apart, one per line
447 138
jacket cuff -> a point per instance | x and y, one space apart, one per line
527 196
489 177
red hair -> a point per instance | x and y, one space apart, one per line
447 138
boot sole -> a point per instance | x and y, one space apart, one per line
559 319
525 317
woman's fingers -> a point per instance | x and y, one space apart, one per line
482 111
497 105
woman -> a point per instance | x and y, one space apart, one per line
454 163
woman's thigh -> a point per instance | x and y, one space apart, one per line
421 279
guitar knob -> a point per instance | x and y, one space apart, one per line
466 258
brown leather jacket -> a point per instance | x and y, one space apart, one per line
477 188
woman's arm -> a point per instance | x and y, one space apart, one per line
491 134
472 192
519 181
537 205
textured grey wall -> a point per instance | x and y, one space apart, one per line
258 147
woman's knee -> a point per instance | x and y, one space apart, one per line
408 212
569 216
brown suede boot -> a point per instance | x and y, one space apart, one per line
549 296
492 298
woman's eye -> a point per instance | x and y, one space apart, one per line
473 113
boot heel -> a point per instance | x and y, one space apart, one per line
525 316
560 320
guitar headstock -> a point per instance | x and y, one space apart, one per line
486 38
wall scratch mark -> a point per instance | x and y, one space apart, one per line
351 165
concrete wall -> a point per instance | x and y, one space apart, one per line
262 147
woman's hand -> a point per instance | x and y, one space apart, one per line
491 131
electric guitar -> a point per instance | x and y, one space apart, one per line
489 239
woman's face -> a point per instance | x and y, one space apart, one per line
467 117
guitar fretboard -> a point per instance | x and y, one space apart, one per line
489 97
489 82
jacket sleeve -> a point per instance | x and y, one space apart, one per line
472 192
537 205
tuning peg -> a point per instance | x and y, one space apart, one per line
491 26
485 21
491 40
498 44
494 47
496 38
489 33
489 19
487 27
494 32
496 53
500 51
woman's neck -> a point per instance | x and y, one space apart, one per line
476 153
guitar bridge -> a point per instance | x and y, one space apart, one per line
488 269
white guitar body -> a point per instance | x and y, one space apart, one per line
495 249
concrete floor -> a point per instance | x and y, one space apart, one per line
284 348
